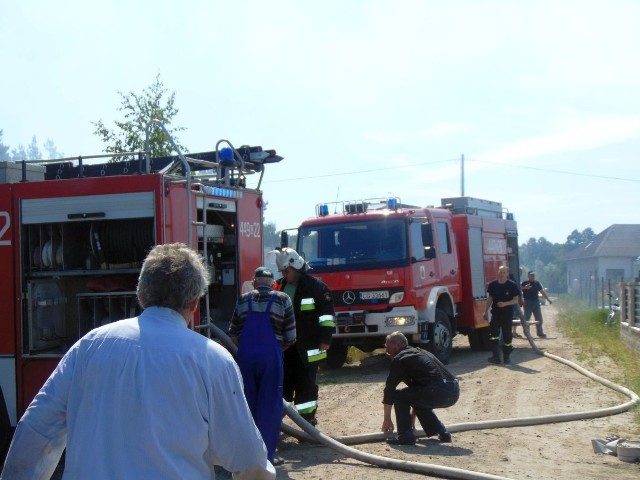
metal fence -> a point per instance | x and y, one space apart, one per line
630 303
630 315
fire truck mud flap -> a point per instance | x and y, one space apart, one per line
441 344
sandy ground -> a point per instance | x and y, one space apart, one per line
350 404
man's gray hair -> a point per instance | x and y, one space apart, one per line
173 276
258 281
398 338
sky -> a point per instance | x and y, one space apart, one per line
363 99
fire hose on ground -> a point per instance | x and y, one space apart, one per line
341 444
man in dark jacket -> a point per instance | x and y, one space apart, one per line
502 294
315 324
531 288
429 385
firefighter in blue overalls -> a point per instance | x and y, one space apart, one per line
263 326
315 324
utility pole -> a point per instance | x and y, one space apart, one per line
462 176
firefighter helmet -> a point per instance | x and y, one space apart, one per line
288 257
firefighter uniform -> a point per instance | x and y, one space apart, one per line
502 317
315 324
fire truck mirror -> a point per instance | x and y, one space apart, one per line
284 239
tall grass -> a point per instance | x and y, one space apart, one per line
589 330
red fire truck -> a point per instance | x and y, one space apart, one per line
420 270
73 237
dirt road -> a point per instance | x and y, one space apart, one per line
350 404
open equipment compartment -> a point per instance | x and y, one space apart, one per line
81 257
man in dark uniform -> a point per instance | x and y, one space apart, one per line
502 294
530 290
263 326
429 385
315 324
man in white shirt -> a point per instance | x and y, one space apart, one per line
146 397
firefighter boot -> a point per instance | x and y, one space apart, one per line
495 358
506 352
311 418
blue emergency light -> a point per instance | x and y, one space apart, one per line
323 210
226 157
392 203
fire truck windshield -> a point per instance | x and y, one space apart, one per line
354 245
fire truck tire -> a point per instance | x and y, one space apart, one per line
441 344
336 355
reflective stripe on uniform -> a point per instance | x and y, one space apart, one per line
307 407
307 304
327 321
316 355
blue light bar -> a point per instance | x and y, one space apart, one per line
324 210
392 203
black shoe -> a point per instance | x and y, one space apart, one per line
445 437
495 360
277 461
507 360
401 441
542 335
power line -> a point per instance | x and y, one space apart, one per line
356 172
564 172
525 167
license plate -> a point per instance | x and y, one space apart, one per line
374 295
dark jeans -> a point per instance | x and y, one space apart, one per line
533 306
438 394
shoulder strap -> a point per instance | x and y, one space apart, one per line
273 295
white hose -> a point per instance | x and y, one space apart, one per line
311 434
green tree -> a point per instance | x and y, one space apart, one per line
19 153
546 259
4 150
270 237
33 152
154 103
576 238
52 151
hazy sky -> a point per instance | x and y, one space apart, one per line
362 98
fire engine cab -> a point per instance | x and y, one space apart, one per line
421 270
73 236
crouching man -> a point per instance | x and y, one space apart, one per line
429 385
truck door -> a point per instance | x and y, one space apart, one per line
446 257
8 317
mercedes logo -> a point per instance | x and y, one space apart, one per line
348 297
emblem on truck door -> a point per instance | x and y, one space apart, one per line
348 297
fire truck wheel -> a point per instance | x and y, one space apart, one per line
441 344
336 355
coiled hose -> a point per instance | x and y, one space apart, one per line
340 444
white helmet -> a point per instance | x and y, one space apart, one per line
288 257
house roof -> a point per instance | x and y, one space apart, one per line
618 240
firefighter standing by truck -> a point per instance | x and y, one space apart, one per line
502 294
315 324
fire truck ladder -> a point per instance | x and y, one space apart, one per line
229 169
186 168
